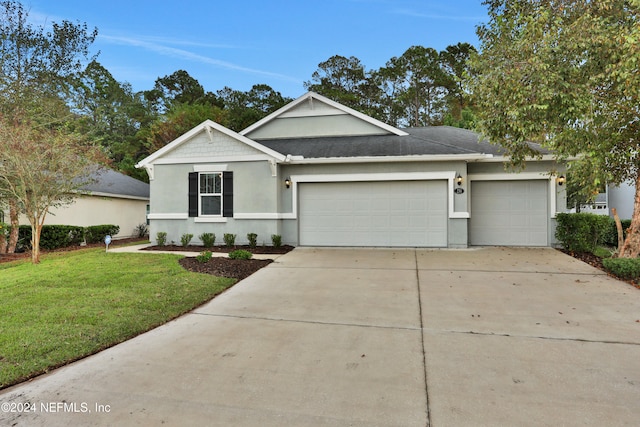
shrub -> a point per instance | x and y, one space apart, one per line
581 232
625 268
229 239
208 239
276 240
51 236
97 233
610 236
161 238
253 239
185 239
141 230
204 256
240 254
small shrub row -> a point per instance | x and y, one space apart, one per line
240 254
625 268
209 239
61 236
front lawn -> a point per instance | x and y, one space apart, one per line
75 304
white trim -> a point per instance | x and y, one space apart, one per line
522 176
209 219
504 159
167 216
110 195
449 176
210 168
257 215
392 159
312 95
203 159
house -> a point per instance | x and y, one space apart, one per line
111 198
321 174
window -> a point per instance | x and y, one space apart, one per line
210 194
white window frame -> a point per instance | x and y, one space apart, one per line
201 194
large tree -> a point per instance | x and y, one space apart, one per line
36 69
42 167
564 73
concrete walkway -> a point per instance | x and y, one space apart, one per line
380 337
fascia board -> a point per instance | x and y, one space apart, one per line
391 159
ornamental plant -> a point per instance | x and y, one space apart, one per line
240 254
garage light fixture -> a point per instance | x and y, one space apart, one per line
561 180
459 179
287 182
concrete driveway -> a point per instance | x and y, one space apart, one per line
378 337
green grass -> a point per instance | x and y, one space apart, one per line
75 304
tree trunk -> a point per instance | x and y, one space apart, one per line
36 229
616 218
3 242
631 246
15 224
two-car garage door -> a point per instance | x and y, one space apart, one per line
373 213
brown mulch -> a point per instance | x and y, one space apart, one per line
223 249
225 267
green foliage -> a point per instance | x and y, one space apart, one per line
161 238
185 239
602 252
141 230
208 239
229 239
625 268
204 256
240 254
4 229
581 232
97 233
77 303
52 236
276 240
610 236
253 239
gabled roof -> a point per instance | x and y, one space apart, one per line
109 182
207 126
309 97
424 141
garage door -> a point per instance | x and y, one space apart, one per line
396 213
509 213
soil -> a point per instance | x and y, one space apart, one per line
223 249
225 267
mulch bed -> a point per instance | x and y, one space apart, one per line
225 267
223 249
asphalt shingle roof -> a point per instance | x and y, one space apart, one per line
434 140
109 181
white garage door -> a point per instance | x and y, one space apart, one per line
509 213
396 213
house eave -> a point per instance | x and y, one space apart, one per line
390 159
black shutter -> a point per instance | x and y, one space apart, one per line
227 194
193 194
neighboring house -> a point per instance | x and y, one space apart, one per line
622 198
113 198
321 174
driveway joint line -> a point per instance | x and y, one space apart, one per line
313 322
424 353
595 273
585 340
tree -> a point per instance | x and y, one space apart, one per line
565 74
36 67
339 78
245 108
42 168
176 89
455 63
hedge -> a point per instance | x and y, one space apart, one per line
625 268
582 232
61 236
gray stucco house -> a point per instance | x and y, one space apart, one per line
321 174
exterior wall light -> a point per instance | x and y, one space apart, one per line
287 182
561 180
459 179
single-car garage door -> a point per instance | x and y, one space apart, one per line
394 213
509 213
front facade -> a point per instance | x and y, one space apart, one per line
320 174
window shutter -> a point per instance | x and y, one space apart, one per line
193 194
227 194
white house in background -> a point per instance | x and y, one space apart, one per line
621 197
114 198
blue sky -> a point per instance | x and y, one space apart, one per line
239 43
